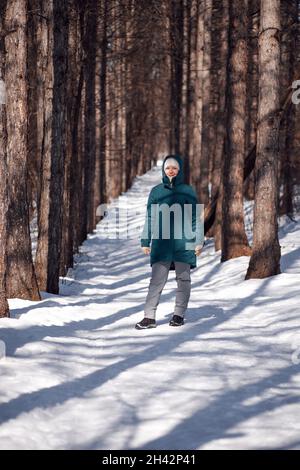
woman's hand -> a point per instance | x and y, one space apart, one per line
198 250
146 250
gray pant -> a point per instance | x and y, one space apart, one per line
160 272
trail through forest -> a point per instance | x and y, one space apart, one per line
77 375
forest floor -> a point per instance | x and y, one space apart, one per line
75 374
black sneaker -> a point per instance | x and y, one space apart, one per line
146 323
176 321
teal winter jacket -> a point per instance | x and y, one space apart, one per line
174 220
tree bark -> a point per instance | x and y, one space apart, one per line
265 259
220 58
176 28
4 308
103 113
34 155
207 117
54 148
20 276
234 239
252 87
90 117
195 93
286 173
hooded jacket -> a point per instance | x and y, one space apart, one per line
172 225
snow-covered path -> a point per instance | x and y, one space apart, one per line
77 375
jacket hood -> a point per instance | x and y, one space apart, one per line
179 178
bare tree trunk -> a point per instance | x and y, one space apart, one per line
123 83
34 155
54 148
195 92
113 161
70 167
20 276
81 227
186 90
76 164
103 113
286 174
68 219
45 92
119 144
185 80
265 259
129 99
76 183
176 45
207 118
4 308
234 239
220 58
122 107
90 116
252 87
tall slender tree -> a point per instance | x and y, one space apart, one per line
54 146
265 259
207 115
20 275
102 98
4 308
194 117
176 29
33 114
252 87
220 56
286 175
90 115
234 239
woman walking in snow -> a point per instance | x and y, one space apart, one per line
172 248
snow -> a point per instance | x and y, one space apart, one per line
75 374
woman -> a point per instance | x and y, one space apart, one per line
176 234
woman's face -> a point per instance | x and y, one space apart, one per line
171 171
